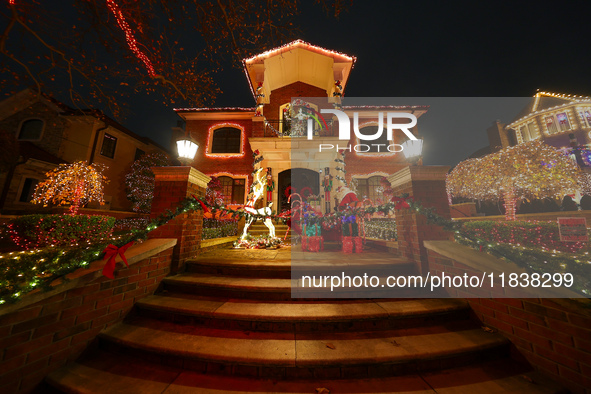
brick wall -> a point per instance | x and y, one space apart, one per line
42 337
284 94
553 335
171 186
427 186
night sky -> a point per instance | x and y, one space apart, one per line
435 49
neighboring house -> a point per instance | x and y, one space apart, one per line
227 137
557 119
50 133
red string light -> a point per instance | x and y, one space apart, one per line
131 41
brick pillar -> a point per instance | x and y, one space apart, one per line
426 184
172 185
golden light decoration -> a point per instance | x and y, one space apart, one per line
76 184
531 170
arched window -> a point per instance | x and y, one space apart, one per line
226 140
381 144
31 129
371 188
232 189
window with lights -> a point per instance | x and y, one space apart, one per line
226 140
557 123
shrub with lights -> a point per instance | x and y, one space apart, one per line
39 231
139 182
543 235
531 170
74 184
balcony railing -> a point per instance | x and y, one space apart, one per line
299 128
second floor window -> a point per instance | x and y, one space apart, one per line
109 145
226 140
557 123
31 130
375 146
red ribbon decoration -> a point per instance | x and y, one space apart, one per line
111 253
400 202
203 206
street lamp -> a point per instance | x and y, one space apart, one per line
187 148
413 150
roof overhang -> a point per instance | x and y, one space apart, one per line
215 113
298 61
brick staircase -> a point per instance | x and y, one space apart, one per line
229 326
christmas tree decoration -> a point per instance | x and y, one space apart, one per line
139 182
531 170
74 184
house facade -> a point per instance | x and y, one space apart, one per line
49 133
227 137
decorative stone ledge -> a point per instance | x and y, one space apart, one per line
183 173
206 243
484 262
134 254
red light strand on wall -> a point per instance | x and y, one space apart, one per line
131 41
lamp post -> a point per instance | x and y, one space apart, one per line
413 150
187 148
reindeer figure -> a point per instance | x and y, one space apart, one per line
258 188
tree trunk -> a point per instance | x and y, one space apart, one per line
509 197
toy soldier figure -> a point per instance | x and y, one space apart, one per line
270 185
327 184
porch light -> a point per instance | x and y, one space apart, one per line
413 150
187 148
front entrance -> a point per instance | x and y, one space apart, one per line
297 179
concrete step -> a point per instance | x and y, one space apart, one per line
273 289
282 269
302 316
273 355
104 373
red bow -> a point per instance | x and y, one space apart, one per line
203 206
111 252
400 202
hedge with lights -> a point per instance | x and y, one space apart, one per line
38 231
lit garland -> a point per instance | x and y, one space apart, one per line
38 268
210 133
139 182
529 170
76 184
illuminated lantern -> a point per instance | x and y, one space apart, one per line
413 150
187 148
